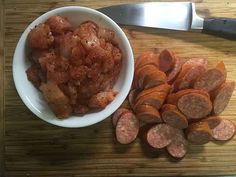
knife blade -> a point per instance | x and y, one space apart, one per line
170 15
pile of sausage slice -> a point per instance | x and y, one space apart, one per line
173 103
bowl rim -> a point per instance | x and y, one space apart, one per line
125 88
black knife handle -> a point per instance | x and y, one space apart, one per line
223 27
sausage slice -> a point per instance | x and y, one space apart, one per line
173 117
174 97
212 121
211 79
179 145
147 58
132 97
154 99
224 131
191 76
221 97
194 105
153 78
148 114
159 136
166 60
161 88
172 74
199 133
191 70
127 128
141 73
118 114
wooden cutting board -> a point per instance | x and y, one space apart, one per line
30 147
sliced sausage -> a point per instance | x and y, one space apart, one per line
176 83
194 105
199 133
221 97
224 131
147 58
153 78
211 79
155 99
143 131
127 128
148 114
141 73
191 76
172 74
173 117
159 136
191 70
166 60
132 97
118 114
185 67
174 97
161 88
179 145
196 62
212 121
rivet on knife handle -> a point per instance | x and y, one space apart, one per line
223 27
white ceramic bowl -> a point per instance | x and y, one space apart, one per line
33 99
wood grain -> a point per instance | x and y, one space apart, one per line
33 148
1 88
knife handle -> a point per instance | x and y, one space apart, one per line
223 27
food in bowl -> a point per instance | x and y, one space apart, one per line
75 68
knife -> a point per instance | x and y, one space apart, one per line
170 15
